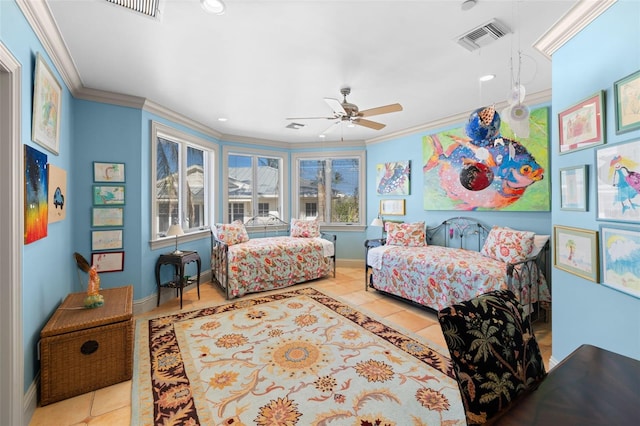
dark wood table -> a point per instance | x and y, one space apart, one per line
178 259
592 386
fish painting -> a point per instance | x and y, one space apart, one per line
479 168
393 178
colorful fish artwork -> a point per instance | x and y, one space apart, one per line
393 178
482 166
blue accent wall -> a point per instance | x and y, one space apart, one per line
604 52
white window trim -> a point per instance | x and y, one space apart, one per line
284 176
295 183
169 133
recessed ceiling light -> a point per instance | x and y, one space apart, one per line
215 7
487 77
222 119
468 4
322 136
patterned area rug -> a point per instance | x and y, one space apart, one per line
292 358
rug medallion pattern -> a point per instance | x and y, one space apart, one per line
293 358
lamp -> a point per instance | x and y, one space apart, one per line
215 7
175 230
377 221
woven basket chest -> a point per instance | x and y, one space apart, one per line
82 350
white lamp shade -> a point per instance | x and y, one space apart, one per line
377 222
174 230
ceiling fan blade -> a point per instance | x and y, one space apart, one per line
380 110
368 123
335 106
332 127
310 118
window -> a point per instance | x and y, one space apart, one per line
328 187
255 184
181 180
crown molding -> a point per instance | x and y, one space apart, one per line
577 18
532 99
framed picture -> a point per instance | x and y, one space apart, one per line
104 195
582 125
36 194
392 207
57 193
617 168
108 172
106 240
573 188
576 251
627 96
107 216
393 178
47 103
620 254
108 261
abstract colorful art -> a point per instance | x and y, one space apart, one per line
36 209
483 166
393 178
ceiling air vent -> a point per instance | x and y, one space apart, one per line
483 35
294 126
149 8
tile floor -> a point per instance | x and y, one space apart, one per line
111 406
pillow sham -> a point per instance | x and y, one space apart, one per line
232 233
508 245
305 228
406 234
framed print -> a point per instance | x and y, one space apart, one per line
107 216
392 207
573 188
108 261
582 125
108 172
47 103
618 180
57 193
104 195
393 178
36 194
627 97
620 254
576 251
106 240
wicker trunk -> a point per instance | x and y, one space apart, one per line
86 349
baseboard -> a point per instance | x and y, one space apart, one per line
30 400
149 303
552 362
350 263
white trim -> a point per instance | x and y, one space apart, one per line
578 17
11 225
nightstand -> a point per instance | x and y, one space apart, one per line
178 260
368 245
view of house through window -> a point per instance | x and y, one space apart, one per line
255 186
329 189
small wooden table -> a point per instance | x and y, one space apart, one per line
178 260
592 386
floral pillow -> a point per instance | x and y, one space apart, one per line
305 228
232 233
508 245
405 234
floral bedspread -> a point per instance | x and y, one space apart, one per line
437 277
262 264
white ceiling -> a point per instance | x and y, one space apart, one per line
266 60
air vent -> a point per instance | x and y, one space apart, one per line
295 126
483 35
149 8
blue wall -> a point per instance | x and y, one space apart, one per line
604 52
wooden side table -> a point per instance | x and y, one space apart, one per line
178 260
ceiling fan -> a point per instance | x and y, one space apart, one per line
346 111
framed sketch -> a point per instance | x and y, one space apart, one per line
576 251
57 193
108 261
108 172
106 240
620 254
107 216
573 188
47 103
392 207
104 195
618 180
582 125
627 98
393 178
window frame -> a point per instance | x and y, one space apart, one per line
184 140
253 152
333 155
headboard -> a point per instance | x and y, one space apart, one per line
268 226
459 232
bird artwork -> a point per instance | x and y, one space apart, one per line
625 180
